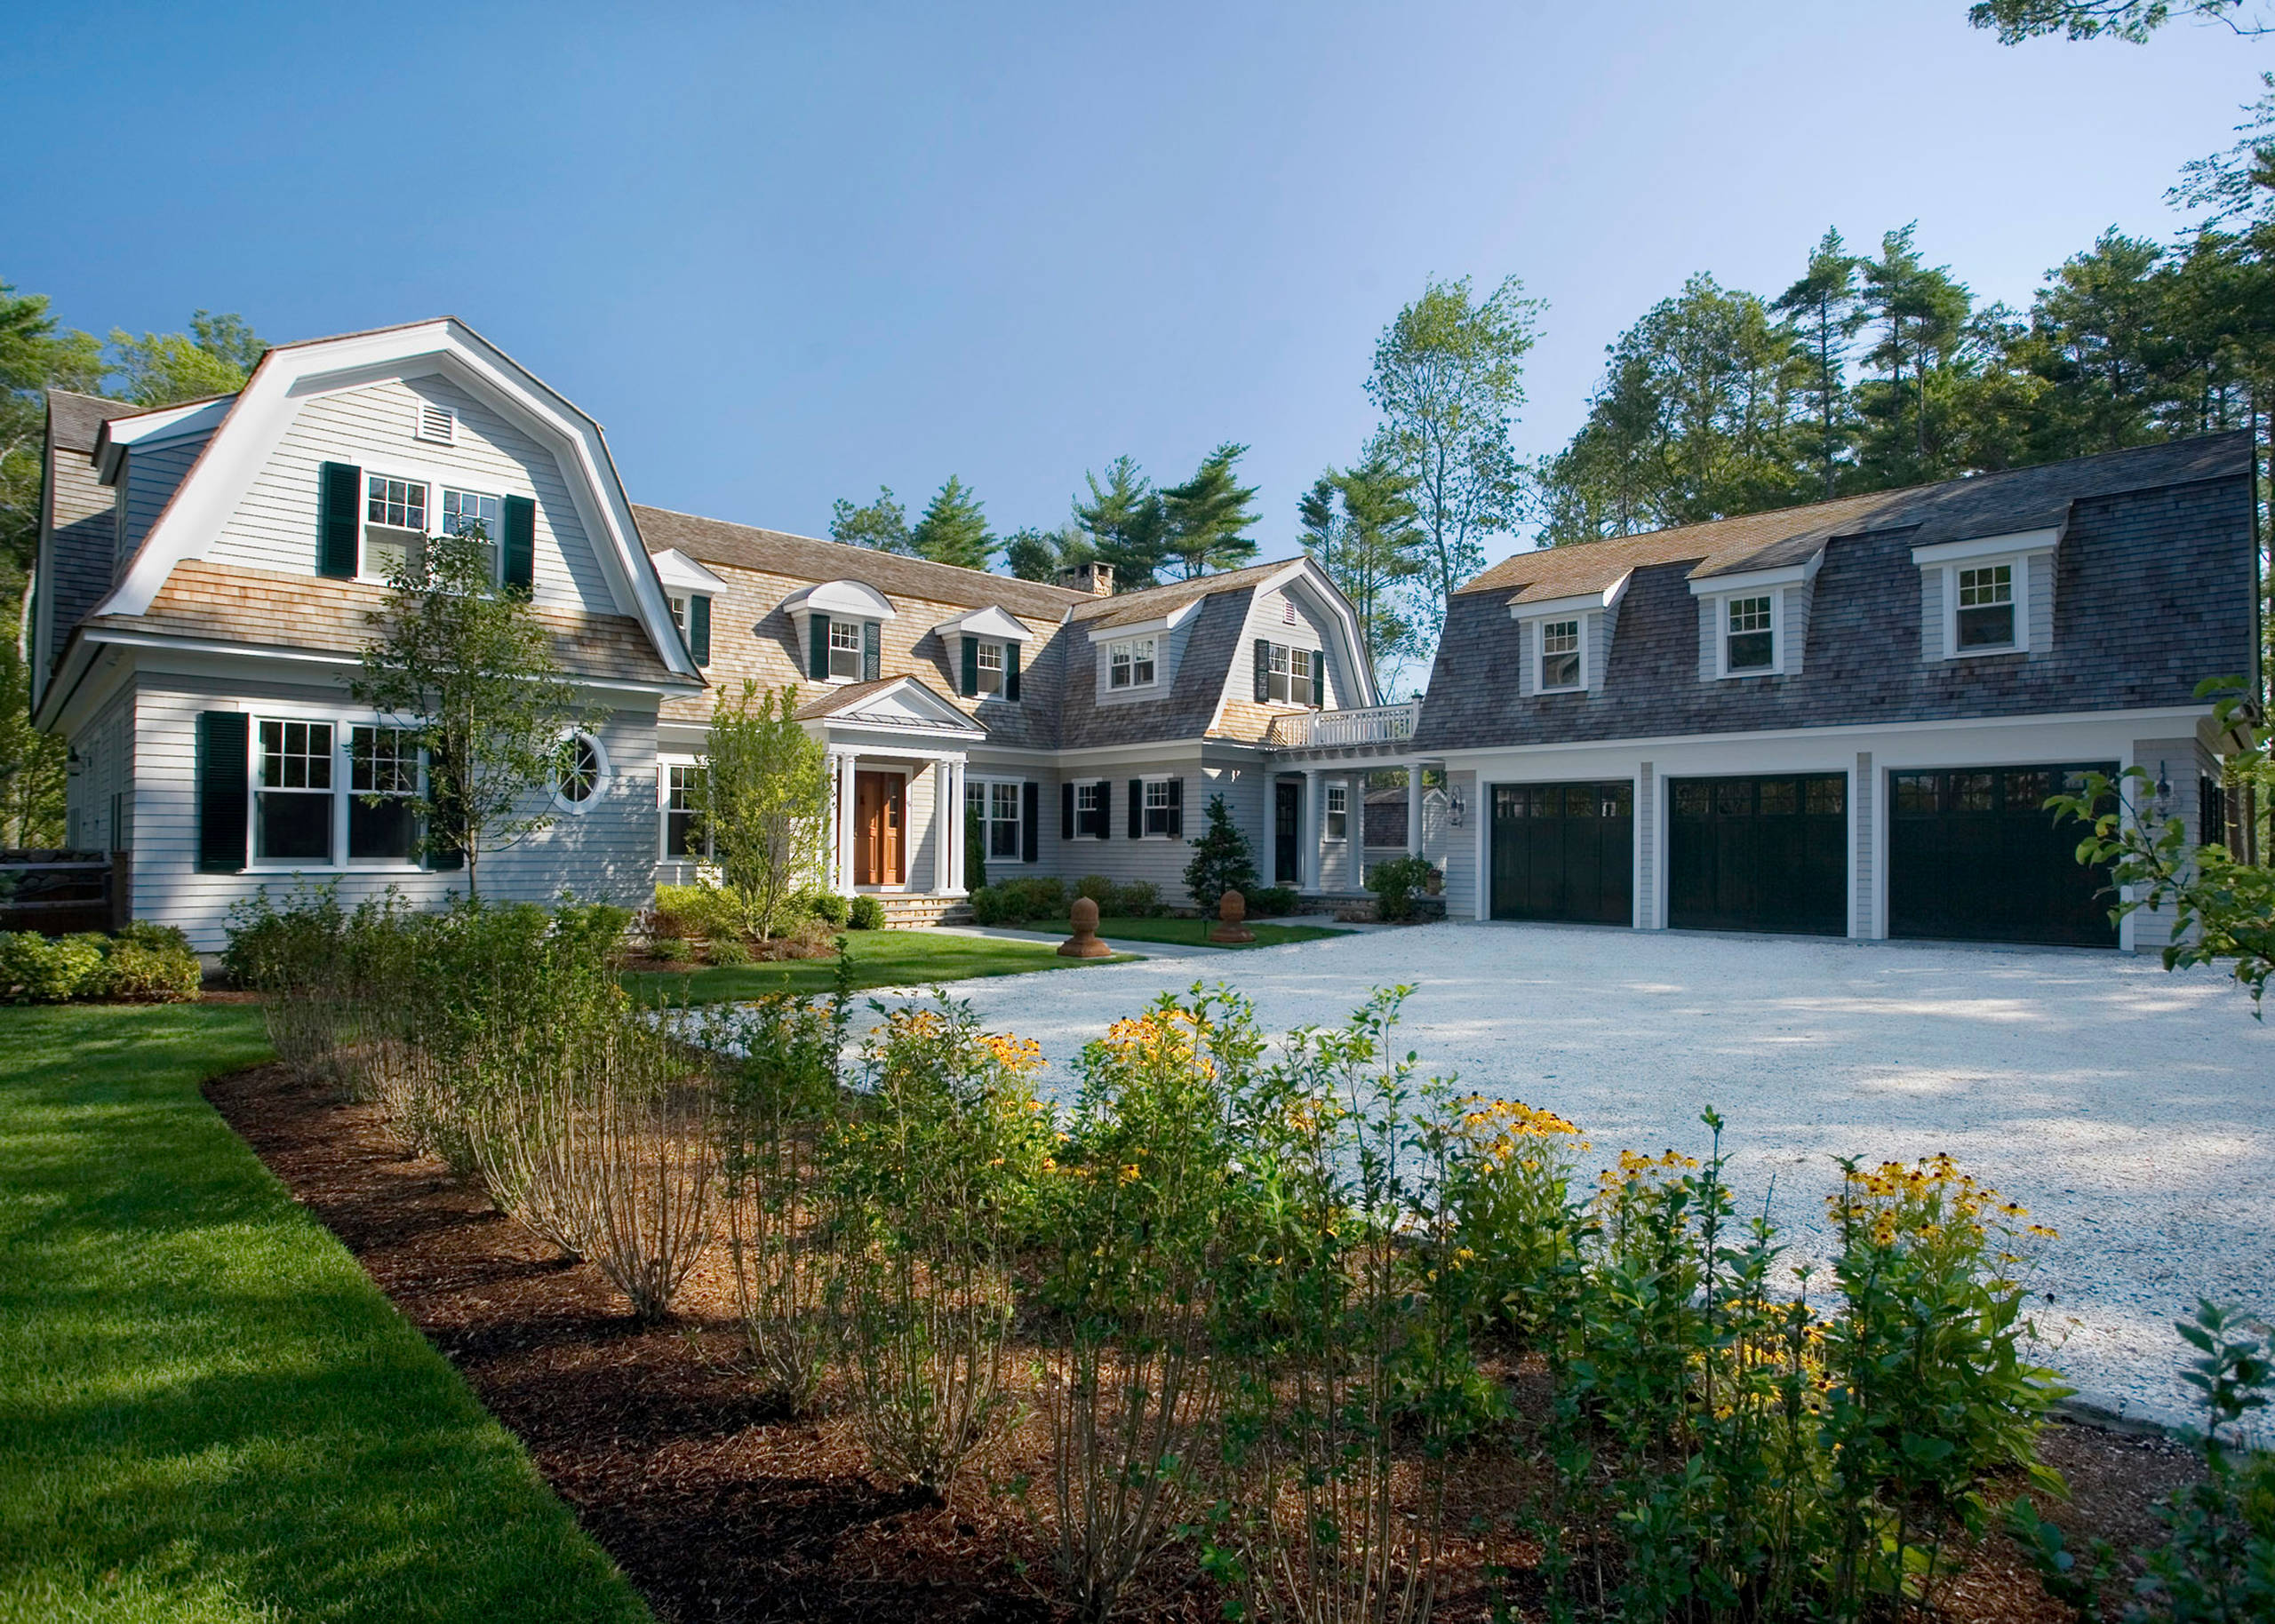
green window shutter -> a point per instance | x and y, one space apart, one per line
873 650
1067 811
969 686
699 630
1177 809
340 492
1030 817
1263 670
1136 809
519 521
1011 670
224 783
818 648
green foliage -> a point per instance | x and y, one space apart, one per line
1040 555
698 912
149 963
975 864
214 357
2017 21
765 801
865 912
954 529
1274 901
881 524
1125 525
468 671
1137 899
1207 518
671 950
143 964
1221 860
1015 902
726 951
1361 525
36 969
1395 883
826 906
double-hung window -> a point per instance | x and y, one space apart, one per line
1089 811
293 797
1749 635
1003 820
684 833
1160 798
382 779
1339 812
845 650
1559 656
395 525
1292 675
1129 664
1986 608
469 511
991 667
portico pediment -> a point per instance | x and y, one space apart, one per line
893 705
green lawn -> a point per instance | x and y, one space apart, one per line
1194 931
209 1413
881 959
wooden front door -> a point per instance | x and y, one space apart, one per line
880 817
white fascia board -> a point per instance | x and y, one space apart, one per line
988 622
1982 546
673 568
850 599
1751 580
1154 627
152 428
1581 603
259 415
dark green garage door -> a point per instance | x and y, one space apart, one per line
1759 853
1564 851
1973 855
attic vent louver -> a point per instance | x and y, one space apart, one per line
1288 611
438 423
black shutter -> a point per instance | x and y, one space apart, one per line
1067 830
1263 670
1010 670
873 650
1030 821
699 630
1136 809
339 492
1105 814
1177 809
969 686
223 783
519 522
818 648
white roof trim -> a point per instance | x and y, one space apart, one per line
848 598
1158 624
260 413
905 705
1331 598
1752 580
673 568
1549 608
1982 546
989 622
151 429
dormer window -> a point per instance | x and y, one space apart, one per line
1750 635
987 662
841 628
395 525
1130 662
844 651
1986 608
1987 594
1560 657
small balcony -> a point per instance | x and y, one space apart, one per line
1376 726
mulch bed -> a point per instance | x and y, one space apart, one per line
718 1508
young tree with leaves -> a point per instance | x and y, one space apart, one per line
1447 379
1041 555
765 801
2133 21
881 524
1209 515
468 673
1125 525
954 529
215 356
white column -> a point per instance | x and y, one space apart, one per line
1414 809
845 831
943 815
1314 833
1271 829
1354 830
957 831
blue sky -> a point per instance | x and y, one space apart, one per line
787 254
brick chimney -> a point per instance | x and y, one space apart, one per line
1090 576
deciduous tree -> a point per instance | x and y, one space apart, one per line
765 801
2017 21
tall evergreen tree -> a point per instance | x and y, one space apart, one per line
1207 517
1032 554
881 524
1126 524
2099 336
1361 525
1918 315
1824 313
954 529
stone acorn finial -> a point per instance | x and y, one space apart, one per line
1084 943
1231 928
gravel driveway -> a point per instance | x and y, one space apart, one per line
2131 1109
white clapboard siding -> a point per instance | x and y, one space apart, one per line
374 427
153 474
607 853
1160 862
1462 878
105 768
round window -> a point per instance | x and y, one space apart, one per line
580 768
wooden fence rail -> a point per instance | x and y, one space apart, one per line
58 892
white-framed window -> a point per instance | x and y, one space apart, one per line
1130 662
382 779
990 668
678 600
992 814
1560 668
1089 812
294 802
1291 675
1982 618
684 837
845 650
579 773
464 510
1750 635
1339 812
1160 799
395 524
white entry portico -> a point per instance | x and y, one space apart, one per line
897 757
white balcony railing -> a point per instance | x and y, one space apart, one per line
1377 724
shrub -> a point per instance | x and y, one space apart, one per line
1274 902
1394 884
1015 902
826 906
865 913
1139 899
154 964
1221 861
36 969
726 951
671 950
697 911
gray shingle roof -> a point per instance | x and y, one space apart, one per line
2152 593
1184 714
73 420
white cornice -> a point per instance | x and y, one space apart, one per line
154 428
989 622
854 600
1982 546
675 568
1549 608
1753 580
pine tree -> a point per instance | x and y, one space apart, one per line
1125 525
1208 516
881 524
1222 861
1041 555
1920 313
1361 526
1825 316
953 529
